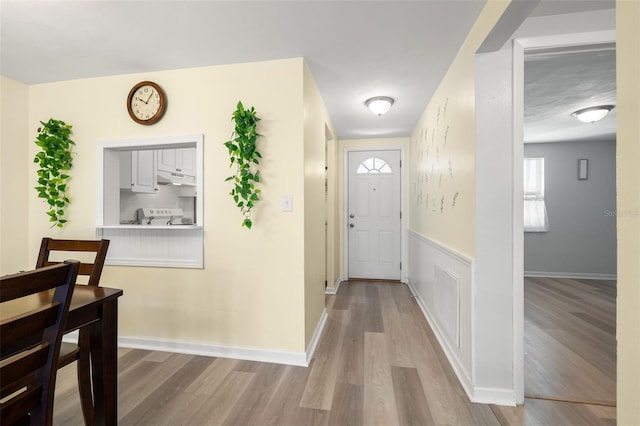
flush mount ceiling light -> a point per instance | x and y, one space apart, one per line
379 105
592 114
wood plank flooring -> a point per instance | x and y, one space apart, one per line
377 363
570 339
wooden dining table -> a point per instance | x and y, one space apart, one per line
97 308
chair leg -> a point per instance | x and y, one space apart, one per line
84 377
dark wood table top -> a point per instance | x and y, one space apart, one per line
84 298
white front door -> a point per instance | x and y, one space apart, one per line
374 214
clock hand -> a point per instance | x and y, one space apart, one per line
149 98
142 100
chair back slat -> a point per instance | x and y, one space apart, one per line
29 372
25 402
24 325
31 282
20 365
91 269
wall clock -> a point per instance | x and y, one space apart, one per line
146 102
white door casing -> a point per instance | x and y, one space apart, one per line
374 214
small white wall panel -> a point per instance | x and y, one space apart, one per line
441 280
176 247
447 303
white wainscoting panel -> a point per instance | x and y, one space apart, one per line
176 247
441 281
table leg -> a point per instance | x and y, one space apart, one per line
104 365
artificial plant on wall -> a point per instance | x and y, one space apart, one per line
55 161
245 157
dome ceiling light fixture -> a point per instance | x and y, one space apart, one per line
379 105
592 114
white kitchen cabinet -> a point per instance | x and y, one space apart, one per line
179 160
138 170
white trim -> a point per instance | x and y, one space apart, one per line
518 222
156 263
301 359
562 40
571 275
313 343
403 204
494 396
220 351
442 248
334 289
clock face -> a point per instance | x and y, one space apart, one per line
146 103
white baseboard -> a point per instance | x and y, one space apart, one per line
316 336
572 275
336 286
219 351
493 396
301 359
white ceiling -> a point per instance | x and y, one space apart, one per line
559 82
355 49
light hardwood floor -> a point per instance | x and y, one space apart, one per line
570 339
377 363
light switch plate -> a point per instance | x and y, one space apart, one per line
287 203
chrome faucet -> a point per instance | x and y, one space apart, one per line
149 219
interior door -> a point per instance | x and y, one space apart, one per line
374 214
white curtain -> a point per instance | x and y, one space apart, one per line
535 211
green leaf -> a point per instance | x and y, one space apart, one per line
54 158
244 155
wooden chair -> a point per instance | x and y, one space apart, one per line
71 352
30 343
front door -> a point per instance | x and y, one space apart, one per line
374 214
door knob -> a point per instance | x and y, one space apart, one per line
352 215
351 225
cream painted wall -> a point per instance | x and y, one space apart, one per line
628 209
442 166
14 177
366 144
250 293
442 194
333 213
316 120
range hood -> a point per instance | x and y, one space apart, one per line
165 178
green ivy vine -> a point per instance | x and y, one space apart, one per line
245 157
55 160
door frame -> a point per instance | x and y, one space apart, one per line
345 204
520 45
498 345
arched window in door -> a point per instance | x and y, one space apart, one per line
373 165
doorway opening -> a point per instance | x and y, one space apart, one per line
373 214
570 265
